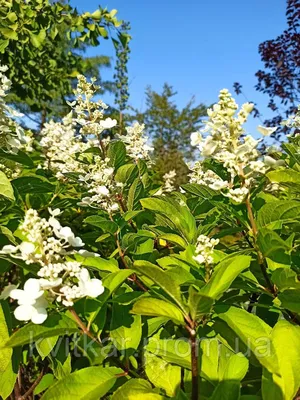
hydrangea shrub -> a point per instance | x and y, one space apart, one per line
113 287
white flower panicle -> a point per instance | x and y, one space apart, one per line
136 142
226 143
66 152
207 178
5 83
89 114
100 183
9 172
61 145
65 149
169 181
51 246
12 135
205 249
294 120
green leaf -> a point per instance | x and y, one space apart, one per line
113 12
126 173
219 363
7 375
125 328
12 16
96 14
160 278
55 325
278 211
112 281
9 33
95 313
3 45
162 374
144 247
201 191
102 31
273 248
136 389
284 176
158 308
116 153
20 157
254 333
33 184
8 234
89 383
61 369
45 346
227 390
224 274
102 223
173 238
99 263
131 214
271 386
199 304
292 150
285 278
6 189
290 300
177 216
153 324
38 39
176 352
135 192
45 382
285 333
236 368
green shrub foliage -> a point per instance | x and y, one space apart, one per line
115 288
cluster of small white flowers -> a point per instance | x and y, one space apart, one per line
225 145
12 136
136 142
204 250
61 146
169 181
11 173
89 114
5 83
66 151
100 183
50 245
207 178
294 120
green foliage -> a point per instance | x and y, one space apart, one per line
7 374
6 189
43 43
177 296
88 383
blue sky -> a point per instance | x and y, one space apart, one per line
198 46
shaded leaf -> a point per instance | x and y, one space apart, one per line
86 384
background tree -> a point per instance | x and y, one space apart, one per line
170 128
121 74
43 44
280 79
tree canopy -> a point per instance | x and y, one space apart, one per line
43 43
169 128
280 78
